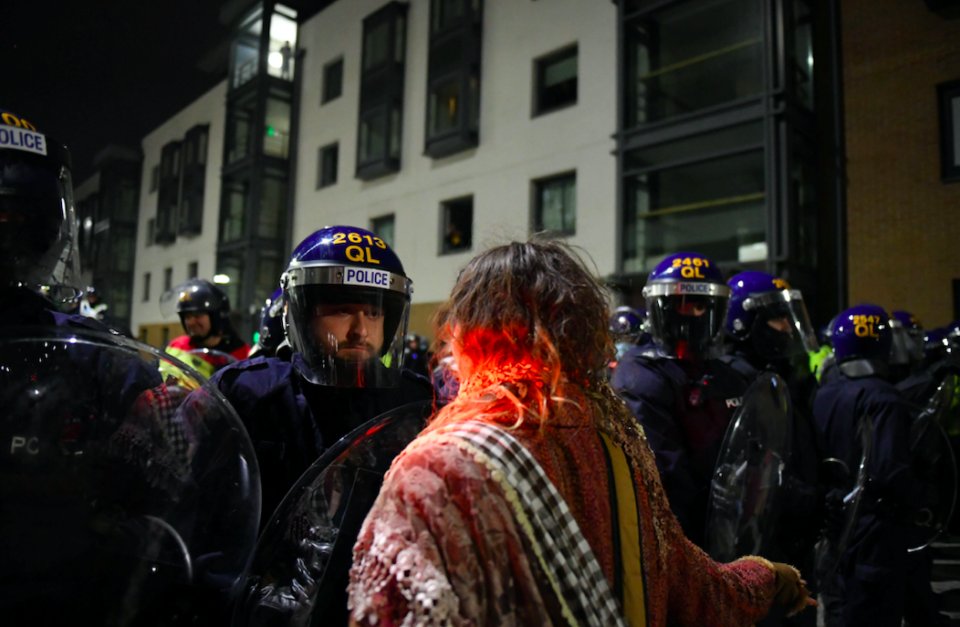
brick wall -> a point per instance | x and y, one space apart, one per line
903 223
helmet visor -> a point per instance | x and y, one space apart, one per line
348 336
190 296
688 326
782 327
38 232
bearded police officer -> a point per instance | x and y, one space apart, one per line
678 389
347 305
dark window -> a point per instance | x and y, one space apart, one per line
457 224
453 77
234 210
146 287
164 335
445 13
714 206
168 193
384 228
690 56
556 204
949 97
327 165
194 181
332 81
556 76
154 178
381 92
246 50
193 269
273 205
167 278
151 231
239 131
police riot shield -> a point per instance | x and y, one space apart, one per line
300 569
934 464
846 484
742 511
127 496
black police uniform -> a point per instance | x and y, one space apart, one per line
880 582
292 422
684 408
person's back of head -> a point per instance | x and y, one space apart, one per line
528 314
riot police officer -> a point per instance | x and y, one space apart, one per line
204 310
38 235
880 583
347 306
113 509
769 331
678 389
271 341
627 329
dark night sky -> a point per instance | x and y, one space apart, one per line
94 73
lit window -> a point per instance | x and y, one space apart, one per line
457 224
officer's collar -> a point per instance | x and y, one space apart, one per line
859 368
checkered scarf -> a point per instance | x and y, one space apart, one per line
564 553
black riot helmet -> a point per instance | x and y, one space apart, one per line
38 224
199 296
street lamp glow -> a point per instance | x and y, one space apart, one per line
275 59
221 279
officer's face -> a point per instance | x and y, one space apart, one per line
196 324
780 324
351 331
691 307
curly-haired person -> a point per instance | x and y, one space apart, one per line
533 498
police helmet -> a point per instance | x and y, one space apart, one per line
770 315
908 338
349 278
38 224
626 324
952 340
687 302
198 296
862 334
270 333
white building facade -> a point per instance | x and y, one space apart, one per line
185 246
539 157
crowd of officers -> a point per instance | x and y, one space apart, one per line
333 353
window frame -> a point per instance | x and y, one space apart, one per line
445 207
322 152
374 222
325 95
537 186
539 73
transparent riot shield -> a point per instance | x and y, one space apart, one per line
742 512
127 496
846 486
300 570
934 464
